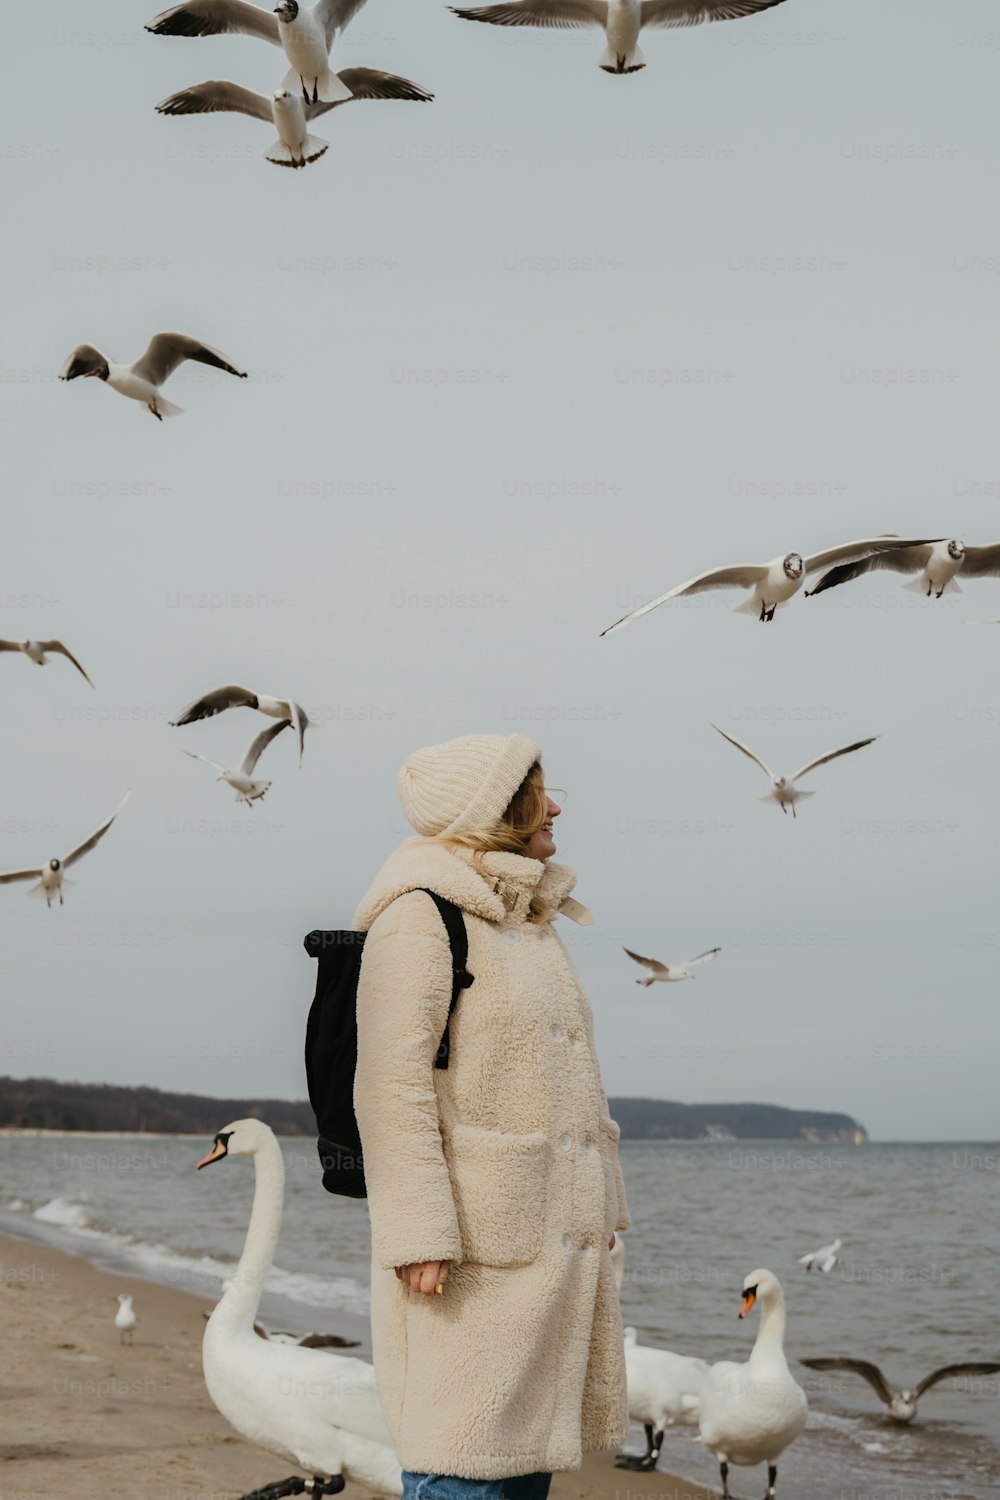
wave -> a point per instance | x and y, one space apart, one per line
174 1267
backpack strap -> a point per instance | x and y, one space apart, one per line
461 979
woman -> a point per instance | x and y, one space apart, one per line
494 1185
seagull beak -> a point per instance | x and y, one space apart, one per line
749 1298
217 1152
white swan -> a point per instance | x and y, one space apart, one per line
321 1411
663 1391
751 1413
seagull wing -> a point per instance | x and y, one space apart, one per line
861 1367
260 744
300 722
217 96
371 83
558 14
716 578
901 560
946 1372
85 360
13 875
648 963
60 649
981 562
326 1341
746 751
849 552
693 12
334 15
208 761
231 696
95 837
832 755
10 645
168 350
703 958
213 17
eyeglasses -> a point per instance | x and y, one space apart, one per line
555 794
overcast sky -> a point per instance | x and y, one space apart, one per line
519 359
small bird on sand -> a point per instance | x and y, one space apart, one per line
306 33
783 789
295 147
248 788
620 20
37 651
823 1259
772 583
141 380
125 1319
234 696
900 1406
937 565
51 877
671 973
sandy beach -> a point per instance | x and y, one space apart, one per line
86 1418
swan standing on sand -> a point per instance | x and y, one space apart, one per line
320 1411
663 1391
900 1406
750 1413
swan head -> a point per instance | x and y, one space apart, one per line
793 565
956 550
760 1286
241 1138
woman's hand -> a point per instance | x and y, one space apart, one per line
428 1277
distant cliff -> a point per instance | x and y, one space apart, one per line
43 1104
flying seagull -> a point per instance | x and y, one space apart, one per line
248 788
141 380
937 565
36 651
295 147
783 788
306 33
900 1406
670 973
50 877
235 696
773 583
620 20
823 1259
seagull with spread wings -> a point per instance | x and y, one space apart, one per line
783 789
248 788
305 32
937 565
772 583
234 696
620 20
51 877
824 1259
141 380
670 973
295 147
900 1406
38 651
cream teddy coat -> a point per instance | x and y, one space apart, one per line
504 1164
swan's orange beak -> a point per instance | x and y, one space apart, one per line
749 1298
217 1152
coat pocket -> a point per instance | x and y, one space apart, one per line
498 1182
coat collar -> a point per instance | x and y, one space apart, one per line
502 896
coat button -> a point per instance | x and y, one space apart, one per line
567 1242
555 1032
565 1143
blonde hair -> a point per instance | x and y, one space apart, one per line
525 814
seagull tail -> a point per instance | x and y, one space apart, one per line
329 87
622 62
312 149
167 408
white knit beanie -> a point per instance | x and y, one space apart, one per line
466 785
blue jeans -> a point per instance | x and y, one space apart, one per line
447 1487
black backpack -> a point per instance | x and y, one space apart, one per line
332 1042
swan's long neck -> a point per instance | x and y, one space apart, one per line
769 1346
239 1303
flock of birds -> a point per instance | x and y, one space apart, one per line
320 1411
